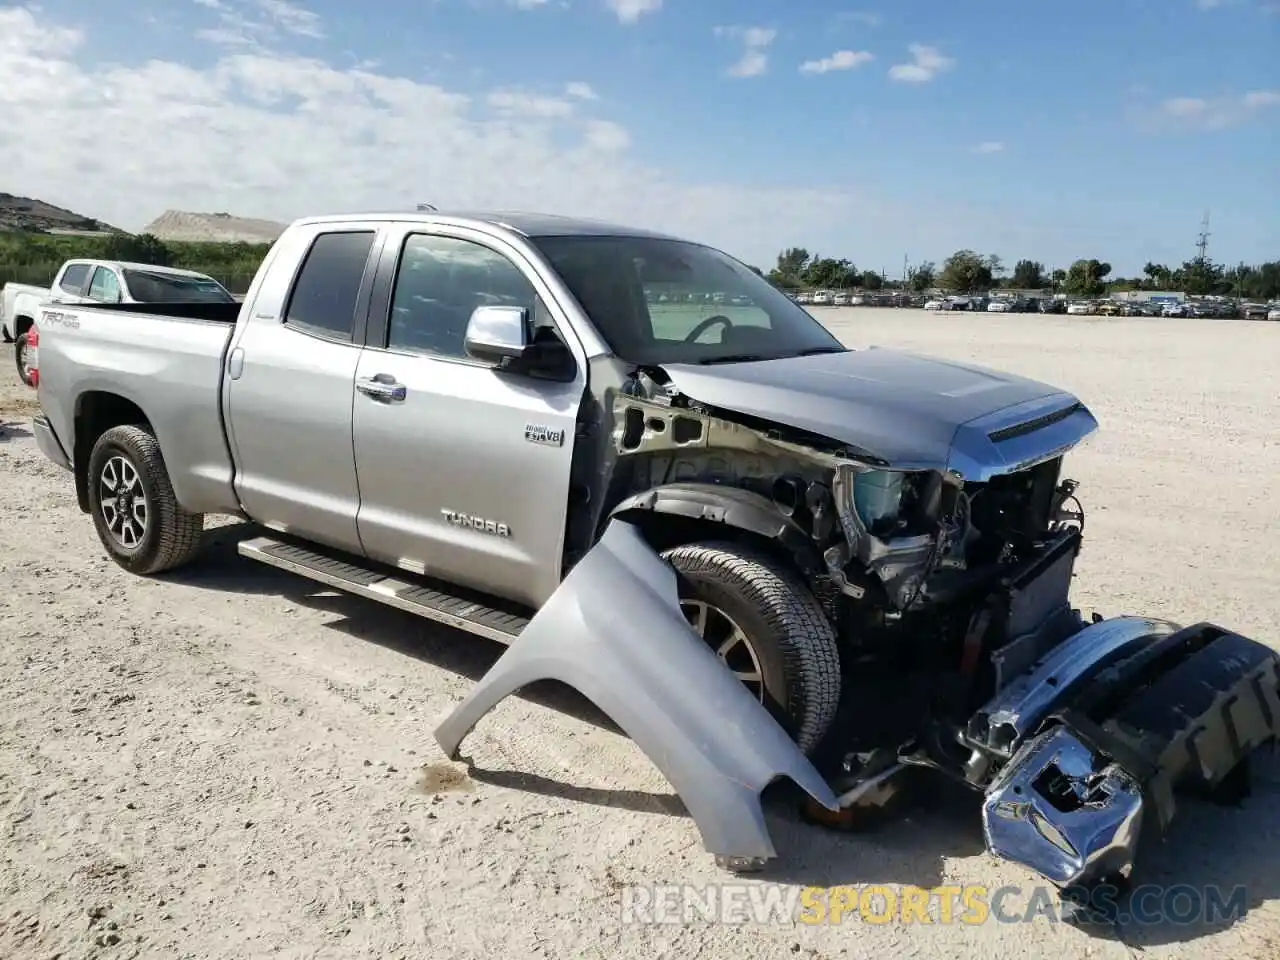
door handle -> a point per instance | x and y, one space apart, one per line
383 388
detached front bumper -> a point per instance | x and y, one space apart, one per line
1100 733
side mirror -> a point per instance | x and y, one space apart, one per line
498 336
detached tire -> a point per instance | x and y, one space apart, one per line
138 519
19 358
792 643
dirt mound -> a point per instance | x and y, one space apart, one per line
212 227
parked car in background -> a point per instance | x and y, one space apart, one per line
1274 312
1174 310
1107 308
841 300
102 281
1053 305
934 304
1079 308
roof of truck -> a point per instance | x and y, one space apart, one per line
148 267
526 224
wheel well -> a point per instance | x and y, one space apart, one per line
662 531
96 413
21 325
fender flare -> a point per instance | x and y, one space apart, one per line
735 507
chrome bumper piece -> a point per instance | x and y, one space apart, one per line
1101 733
1058 810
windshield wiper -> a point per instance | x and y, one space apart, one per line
814 351
735 358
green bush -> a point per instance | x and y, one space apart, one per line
35 257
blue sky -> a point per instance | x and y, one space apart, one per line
1098 128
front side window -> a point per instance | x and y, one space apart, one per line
73 277
105 288
660 301
440 282
328 285
147 286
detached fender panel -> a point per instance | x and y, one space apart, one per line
614 631
732 506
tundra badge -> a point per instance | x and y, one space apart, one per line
478 524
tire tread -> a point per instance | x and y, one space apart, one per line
807 640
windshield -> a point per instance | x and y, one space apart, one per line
148 287
658 301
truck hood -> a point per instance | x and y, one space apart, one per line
908 411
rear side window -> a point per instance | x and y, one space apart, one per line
324 295
104 288
73 277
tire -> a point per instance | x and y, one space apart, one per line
164 535
19 349
791 639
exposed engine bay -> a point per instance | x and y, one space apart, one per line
880 544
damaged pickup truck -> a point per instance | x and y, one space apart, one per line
765 555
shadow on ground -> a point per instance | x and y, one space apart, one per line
13 430
1213 853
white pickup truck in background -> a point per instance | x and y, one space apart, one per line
99 281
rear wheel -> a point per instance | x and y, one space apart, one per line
21 357
768 628
138 518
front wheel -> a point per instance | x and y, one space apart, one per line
22 357
768 628
138 518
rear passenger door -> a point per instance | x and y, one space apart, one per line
291 377
465 472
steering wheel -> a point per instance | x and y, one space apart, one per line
706 325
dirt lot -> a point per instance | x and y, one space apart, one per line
231 763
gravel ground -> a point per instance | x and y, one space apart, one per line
231 762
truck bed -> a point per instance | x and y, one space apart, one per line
167 359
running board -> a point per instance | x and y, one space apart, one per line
462 610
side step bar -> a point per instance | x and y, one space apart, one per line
461 609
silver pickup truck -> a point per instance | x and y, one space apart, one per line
764 554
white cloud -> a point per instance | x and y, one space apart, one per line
840 60
755 41
1216 113
275 135
521 103
926 63
629 11
256 23
1257 99
989 146
581 91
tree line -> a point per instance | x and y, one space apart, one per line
966 271
35 257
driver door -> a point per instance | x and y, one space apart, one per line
461 474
